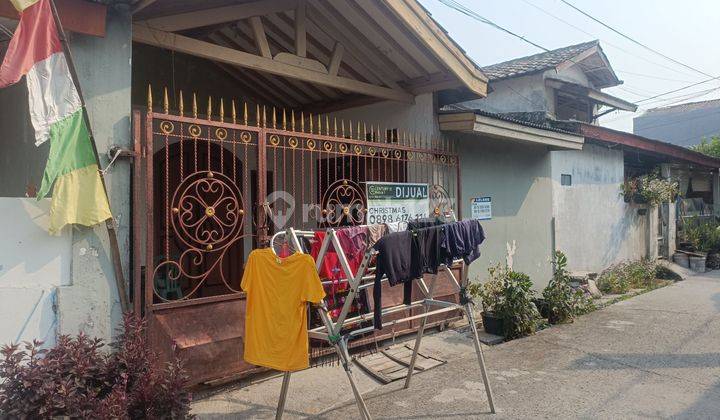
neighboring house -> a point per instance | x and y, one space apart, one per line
532 147
685 124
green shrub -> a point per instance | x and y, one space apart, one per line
508 294
703 235
564 302
517 309
622 277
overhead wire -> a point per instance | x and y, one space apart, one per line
634 41
597 37
453 4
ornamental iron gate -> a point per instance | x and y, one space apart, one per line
209 189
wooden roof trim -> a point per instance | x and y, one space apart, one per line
224 14
607 135
436 40
179 43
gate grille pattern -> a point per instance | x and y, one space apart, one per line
216 187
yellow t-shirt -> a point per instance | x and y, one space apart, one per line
276 313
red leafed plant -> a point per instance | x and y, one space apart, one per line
76 378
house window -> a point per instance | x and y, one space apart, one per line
568 107
566 180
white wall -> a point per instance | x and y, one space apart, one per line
418 118
594 227
33 265
516 176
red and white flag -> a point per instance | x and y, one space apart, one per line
35 50
57 114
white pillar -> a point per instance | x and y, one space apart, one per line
670 218
716 192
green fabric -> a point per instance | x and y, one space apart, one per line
70 149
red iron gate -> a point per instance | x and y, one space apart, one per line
209 190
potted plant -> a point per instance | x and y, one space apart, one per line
649 189
491 295
516 308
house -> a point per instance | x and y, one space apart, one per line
533 148
684 124
270 106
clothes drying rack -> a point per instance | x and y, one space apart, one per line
333 332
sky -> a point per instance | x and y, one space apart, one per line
686 31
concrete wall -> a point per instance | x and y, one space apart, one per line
519 94
516 176
33 266
594 227
91 304
419 118
71 276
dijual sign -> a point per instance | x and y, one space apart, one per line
390 202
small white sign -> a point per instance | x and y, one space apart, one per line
390 202
481 208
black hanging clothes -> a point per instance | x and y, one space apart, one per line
462 240
394 260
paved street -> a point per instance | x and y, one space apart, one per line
656 355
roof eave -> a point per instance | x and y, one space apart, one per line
427 31
472 123
678 153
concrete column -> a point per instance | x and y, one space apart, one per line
90 303
670 218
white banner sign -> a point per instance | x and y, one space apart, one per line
390 202
481 208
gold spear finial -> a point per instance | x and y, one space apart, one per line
181 104
335 126
302 121
292 119
311 122
257 115
357 132
233 114
149 98
264 116
166 102
342 127
284 121
194 105
327 125
222 111
209 108
274 117
245 113
319 121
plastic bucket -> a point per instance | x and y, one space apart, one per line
681 259
697 264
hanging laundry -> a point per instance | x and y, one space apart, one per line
353 241
278 290
462 240
394 260
375 232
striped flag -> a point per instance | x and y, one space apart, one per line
56 112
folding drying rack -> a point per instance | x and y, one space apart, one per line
333 333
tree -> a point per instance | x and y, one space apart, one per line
708 147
